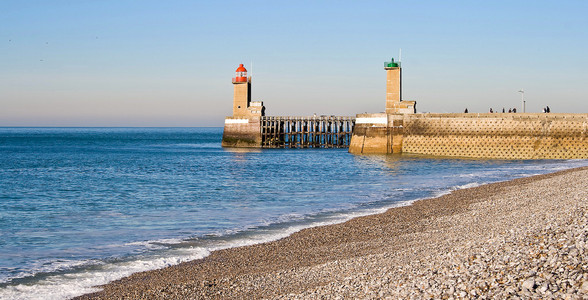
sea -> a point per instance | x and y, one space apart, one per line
80 207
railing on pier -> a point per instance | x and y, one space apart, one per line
306 132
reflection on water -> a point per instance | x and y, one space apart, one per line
242 150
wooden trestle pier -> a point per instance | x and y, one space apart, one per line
306 132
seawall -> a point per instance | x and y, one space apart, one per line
499 135
242 132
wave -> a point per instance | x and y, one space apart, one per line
82 281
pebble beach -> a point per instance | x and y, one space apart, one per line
521 239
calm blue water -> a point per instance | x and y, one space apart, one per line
84 206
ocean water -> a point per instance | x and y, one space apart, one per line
81 207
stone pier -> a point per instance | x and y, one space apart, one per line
498 135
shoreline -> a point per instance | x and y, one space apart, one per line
365 256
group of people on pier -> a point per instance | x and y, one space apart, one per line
512 110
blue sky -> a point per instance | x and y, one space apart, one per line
170 63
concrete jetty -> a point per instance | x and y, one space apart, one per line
496 135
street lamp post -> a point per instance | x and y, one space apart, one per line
522 99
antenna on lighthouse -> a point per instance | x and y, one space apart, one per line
400 55
251 70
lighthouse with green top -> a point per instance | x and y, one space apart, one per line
394 103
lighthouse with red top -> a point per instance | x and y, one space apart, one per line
242 92
242 129
240 74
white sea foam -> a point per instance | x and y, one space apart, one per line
457 187
46 266
467 186
155 244
69 285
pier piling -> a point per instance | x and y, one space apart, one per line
306 132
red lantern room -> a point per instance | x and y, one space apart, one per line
240 74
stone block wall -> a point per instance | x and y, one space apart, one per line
370 134
502 136
242 132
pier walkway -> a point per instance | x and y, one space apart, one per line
306 132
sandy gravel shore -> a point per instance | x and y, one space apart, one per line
526 238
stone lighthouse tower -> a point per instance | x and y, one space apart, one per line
242 129
394 103
242 92
242 105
